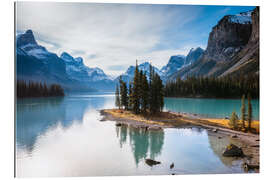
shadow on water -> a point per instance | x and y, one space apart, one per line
143 143
35 116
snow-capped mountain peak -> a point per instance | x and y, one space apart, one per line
241 18
25 38
66 57
174 64
78 71
145 67
27 45
79 60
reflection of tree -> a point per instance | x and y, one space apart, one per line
156 143
197 129
123 135
139 142
142 142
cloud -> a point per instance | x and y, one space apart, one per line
110 36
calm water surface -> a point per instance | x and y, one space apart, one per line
64 137
213 108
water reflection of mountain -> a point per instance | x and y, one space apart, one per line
36 116
142 142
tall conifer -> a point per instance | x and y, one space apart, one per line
117 97
135 91
249 115
243 112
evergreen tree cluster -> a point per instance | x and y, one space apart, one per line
36 89
141 96
234 120
225 87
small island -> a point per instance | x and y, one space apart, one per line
141 105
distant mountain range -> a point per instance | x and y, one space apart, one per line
145 67
35 63
174 64
233 49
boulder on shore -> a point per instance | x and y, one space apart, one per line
233 151
248 167
234 136
151 162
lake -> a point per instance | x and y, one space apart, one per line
212 108
64 137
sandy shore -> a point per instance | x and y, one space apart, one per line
250 143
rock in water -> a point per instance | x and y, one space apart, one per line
151 162
233 151
118 124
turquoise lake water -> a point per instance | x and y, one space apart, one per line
213 108
64 137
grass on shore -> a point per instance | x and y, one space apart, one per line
167 118
225 123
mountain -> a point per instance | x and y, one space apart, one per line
175 63
178 62
77 71
36 63
247 60
145 67
226 46
193 55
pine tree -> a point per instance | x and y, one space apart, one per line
234 121
135 91
160 94
130 103
151 90
156 93
243 112
249 115
145 93
117 97
123 93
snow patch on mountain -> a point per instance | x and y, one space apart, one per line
145 67
241 18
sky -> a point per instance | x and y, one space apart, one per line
113 36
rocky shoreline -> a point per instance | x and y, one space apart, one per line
248 143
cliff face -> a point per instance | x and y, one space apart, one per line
254 38
193 55
226 39
231 43
247 60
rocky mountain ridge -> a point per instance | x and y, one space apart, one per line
226 42
36 63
